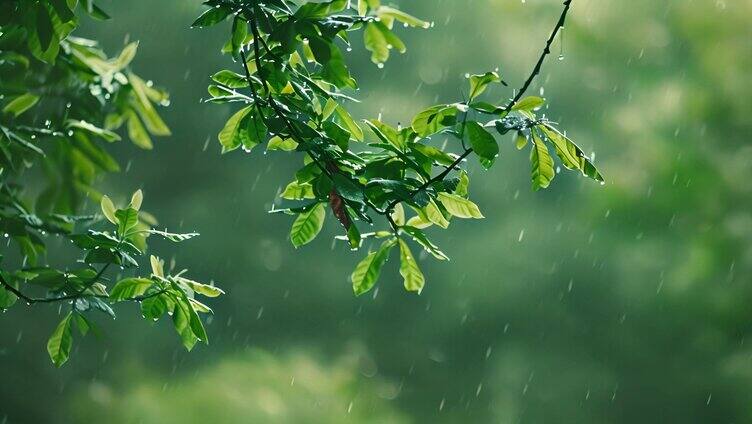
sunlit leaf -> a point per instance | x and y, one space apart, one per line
543 166
367 272
459 206
409 269
529 104
479 83
129 288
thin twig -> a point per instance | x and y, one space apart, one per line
542 58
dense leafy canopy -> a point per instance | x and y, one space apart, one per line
62 101
294 85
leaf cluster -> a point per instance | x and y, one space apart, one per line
293 89
63 102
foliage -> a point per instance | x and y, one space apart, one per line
62 101
255 387
292 85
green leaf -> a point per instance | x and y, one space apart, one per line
279 143
479 83
82 323
434 215
175 237
307 225
136 199
154 307
200 288
483 143
137 133
529 104
434 119
386 133
347 188
420 237
199 307
127 219
129 288
7 298
385 12
145 109
93 130
432 153
570 154
125 57
409 269
520 140
239 33
253 131
464 184
298 191
349 122
367 272
21 104
60 342
181 320
393 42
340 135
49 278
212 16
232 135
398 214
376 43
362 7
354 237
157 266
108 209
543 166
230 79
459 206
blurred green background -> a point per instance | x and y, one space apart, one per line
629 302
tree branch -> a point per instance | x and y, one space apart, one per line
507 108
33 300
258 41
542 58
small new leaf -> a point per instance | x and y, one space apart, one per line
137 199
108 209
479 83
21 104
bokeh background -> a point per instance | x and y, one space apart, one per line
629 302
